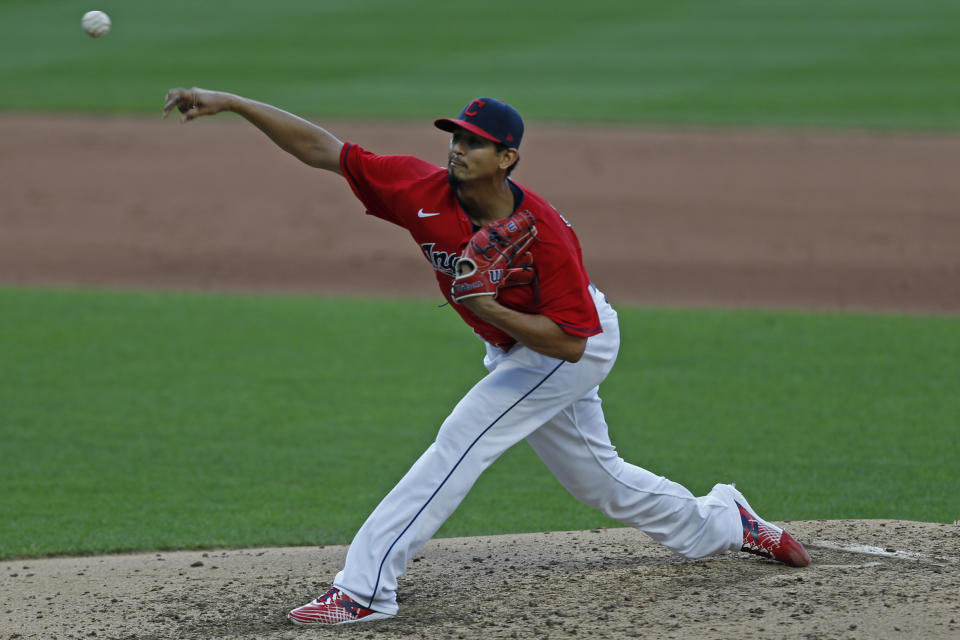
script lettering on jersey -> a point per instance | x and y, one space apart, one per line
441 260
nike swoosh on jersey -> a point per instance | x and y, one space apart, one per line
421 214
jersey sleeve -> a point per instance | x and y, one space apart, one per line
381 182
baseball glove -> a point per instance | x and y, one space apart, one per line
497 256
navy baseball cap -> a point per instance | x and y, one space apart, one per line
488 118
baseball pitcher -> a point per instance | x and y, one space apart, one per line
511 266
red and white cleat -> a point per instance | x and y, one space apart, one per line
767 540
334 607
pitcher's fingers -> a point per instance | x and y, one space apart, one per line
181 99
170 100
168 107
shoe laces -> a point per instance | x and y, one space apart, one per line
329 597
336 597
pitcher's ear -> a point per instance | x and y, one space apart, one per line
508 157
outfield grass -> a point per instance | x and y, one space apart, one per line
147 420
142 421
858 63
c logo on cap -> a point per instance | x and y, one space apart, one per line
470 111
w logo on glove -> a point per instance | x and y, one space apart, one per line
497 256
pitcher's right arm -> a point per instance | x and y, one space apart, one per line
304 140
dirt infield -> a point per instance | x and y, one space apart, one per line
700 218
869 579
761 219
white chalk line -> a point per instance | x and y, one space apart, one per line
880 551
865 565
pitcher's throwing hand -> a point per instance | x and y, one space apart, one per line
195 102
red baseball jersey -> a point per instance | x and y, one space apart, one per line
415 195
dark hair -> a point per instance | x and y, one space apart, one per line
500 147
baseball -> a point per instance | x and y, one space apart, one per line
96 24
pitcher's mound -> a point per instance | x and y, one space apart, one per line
868 579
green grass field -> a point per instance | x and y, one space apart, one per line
142 421
858 63
149 420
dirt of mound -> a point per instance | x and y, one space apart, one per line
868 579
759 219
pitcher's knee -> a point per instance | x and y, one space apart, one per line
615 504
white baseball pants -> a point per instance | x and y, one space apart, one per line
555 406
